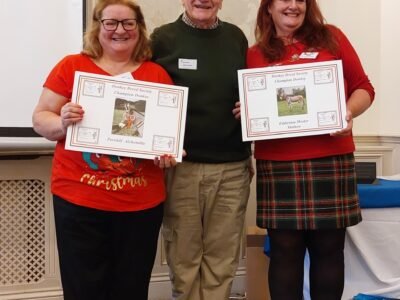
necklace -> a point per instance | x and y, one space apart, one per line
295 57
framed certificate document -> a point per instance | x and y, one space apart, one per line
126 117
294 100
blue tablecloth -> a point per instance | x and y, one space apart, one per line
385 193
371 297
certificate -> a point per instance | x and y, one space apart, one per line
126 117
294 100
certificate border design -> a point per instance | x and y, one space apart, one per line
256 82
171 143
255 128
128 148
100 87
163 101
319 73
94 132
294 127
324 115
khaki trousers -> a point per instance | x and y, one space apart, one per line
202 228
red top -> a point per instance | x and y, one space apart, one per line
101 181
297 148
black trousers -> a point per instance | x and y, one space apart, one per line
105 255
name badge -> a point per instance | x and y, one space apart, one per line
187 64
309 55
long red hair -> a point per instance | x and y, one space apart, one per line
314 32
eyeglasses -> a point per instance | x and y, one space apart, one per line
112 24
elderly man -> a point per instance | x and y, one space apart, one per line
208 192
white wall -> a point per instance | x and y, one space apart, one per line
239 12
34 36
372 27
389 105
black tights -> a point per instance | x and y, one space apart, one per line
286 267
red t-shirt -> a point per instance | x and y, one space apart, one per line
297 148
101 181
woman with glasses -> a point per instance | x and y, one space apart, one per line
306 186
108 210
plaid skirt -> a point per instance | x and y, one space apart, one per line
307 194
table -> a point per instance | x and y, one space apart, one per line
372 249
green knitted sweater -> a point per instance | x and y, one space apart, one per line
212 134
